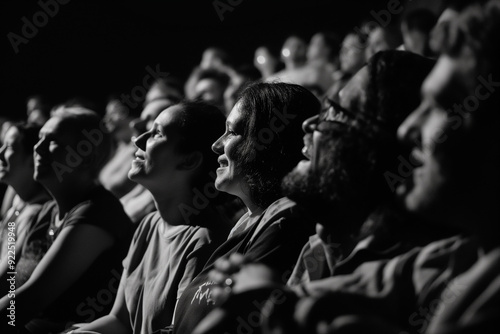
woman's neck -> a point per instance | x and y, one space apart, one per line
180 209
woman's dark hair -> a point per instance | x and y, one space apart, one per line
29 134
201 125
272 130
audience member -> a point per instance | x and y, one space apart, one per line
37 109
416 29
260 145
113 175
138 202
210 87
172 244
168 87
16 170
383 38
239 78
89 230
265 62
294 53
349 149
212 59
351 59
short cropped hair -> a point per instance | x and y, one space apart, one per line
87 126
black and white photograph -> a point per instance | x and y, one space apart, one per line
250 167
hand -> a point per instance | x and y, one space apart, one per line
235 274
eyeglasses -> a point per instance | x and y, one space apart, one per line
334 112
334 116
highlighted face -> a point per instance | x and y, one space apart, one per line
51 153
157 157
16 164
315 179
229 178
442 145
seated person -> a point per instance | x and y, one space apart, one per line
168 87
350 148
351 59
239 78
138 202
451 285
37 109
16 170
171 245
265 62
317 72
113 175
213 58
210 87
89 231
383 38
416 30
260 145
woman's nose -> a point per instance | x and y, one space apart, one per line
217 147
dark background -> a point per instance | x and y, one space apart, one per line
92 48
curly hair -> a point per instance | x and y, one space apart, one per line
273 116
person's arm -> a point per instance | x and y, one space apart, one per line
71 254
26 222
117 321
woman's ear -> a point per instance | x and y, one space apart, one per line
191 161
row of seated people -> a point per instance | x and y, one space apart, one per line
388 224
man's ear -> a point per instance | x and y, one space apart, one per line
191 161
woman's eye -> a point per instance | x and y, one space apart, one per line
230 132
157 134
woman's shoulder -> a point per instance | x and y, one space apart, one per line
283 209
101 209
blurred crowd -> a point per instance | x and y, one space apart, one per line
348 185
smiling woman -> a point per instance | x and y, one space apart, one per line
262 143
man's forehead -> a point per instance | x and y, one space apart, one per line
154 108
448 81
355 89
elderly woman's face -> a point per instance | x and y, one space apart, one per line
157 159
228 174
